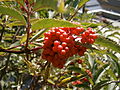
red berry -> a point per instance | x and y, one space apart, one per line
63 52
79 61
56 43
67 49
57 33
54 49
65 35
60 47
64 44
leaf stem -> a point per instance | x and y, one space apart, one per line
74 14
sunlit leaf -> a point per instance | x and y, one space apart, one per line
48 23
105 42
57 5
82 2
24 38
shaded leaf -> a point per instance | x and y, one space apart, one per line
13 13
98 86
100 72
76 69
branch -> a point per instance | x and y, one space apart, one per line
74 14
20 51
12 51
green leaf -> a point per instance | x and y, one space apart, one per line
100 72
115 60
99 85
6 0
92 25
111 73
48 23
13 13
57 5
84 85
91 60
105 42
37 35
76 69
70 79
14 44
16 23
24 38
82 2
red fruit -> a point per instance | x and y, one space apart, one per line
56 43
79 82
67 49
63 52
81 53
83 40
74 83
85 79
57 33
93 36
60 44
65 35
79 61
54 49
64 44
60 47
91 41
62 38
72 63
87 33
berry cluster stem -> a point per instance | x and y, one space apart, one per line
28 28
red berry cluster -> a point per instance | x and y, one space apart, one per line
88 36
60 44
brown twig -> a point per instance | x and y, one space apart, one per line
74 14
20 51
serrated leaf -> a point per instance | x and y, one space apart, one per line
91 61
24 38
16 23
37 35
105 42
84 85
92 25
98 86
51 82
115 60
70 79
100 72
57 5
82 2
15 44
13 13
6 0
76 69
48 23
111 73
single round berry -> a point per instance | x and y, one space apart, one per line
63 52
56 43
64 44
60 47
